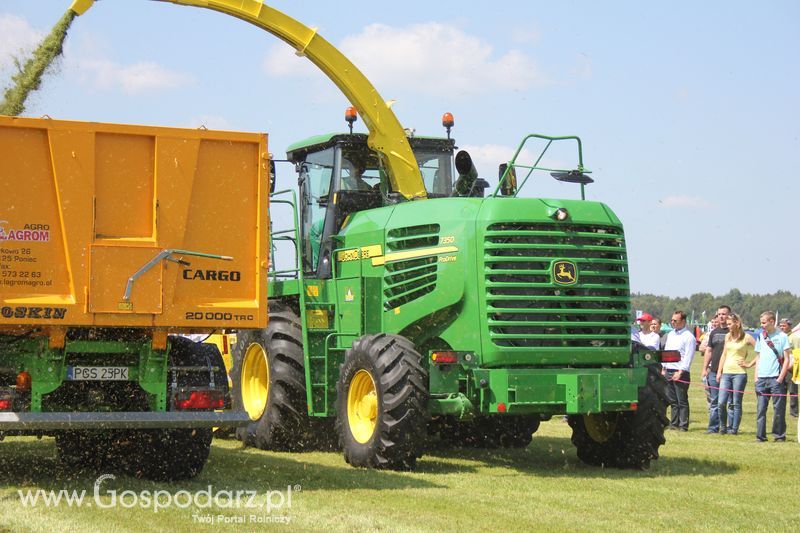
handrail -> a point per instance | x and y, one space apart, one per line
512 163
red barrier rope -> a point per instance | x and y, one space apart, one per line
706 386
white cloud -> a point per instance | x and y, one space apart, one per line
684 202
17 39
132 79
431 58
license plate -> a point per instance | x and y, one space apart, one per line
97 373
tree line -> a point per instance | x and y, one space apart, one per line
748 306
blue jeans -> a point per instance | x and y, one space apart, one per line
730 403
778 392
712 393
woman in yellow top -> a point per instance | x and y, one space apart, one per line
732 374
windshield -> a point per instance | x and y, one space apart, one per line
436 167
361 169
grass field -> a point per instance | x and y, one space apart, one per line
701 482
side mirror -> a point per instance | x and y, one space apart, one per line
573 176
508 186
272 176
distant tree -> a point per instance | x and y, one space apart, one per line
748 306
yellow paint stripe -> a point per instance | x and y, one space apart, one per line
412 254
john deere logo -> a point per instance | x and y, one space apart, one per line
565 273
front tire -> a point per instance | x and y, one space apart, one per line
381 403
625 440
269 383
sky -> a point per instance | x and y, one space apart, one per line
689 112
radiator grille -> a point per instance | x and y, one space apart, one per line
525 308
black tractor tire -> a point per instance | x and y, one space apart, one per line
625 439
400 388
175 454
84 449
165 454
282 421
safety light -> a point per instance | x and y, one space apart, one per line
561 214
444 358
634 406
501 408
670 356
350 115
199 399
448 122
24 380
6 400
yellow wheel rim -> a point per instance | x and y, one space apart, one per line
362 406
255 381
600 427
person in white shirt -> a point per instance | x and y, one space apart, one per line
648 337
638 335
682 340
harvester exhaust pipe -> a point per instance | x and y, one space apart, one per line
79 7
468 183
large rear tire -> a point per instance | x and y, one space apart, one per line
84 449
381 413
269 383
166 454
176 453
629 439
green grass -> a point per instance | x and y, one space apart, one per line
705 482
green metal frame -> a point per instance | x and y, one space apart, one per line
512 163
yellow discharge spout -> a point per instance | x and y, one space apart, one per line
80 6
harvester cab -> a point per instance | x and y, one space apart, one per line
339 175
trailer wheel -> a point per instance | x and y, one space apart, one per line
165 454
269 383
83 449
382 392
629 439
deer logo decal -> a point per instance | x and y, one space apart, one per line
565 273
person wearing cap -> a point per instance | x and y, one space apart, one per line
712 352
647 337
682 340
791 385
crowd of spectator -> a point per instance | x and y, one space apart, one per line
729 352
